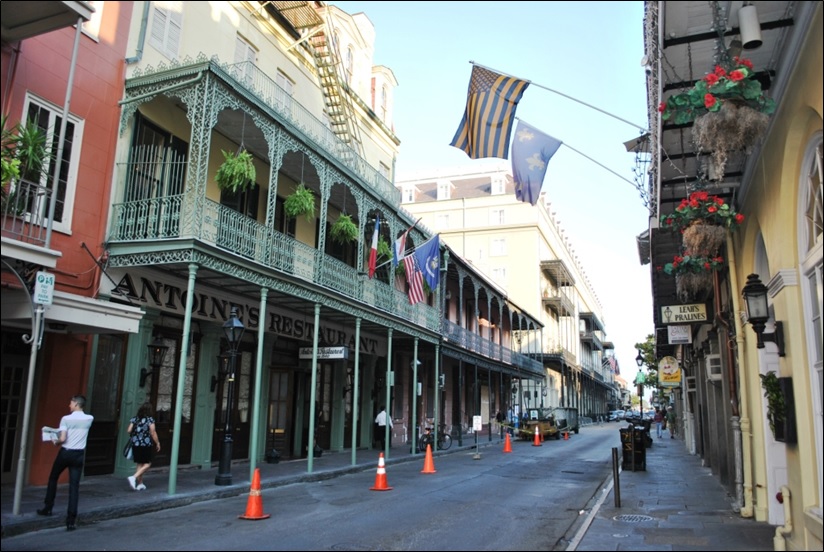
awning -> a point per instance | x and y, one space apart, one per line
70 313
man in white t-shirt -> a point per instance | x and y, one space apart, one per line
72 435
381 421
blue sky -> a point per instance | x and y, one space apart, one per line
590 51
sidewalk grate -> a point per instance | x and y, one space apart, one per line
632 518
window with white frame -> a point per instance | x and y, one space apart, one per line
283 96
442 221
408 194
167 24
498 184
496 217
499 276
383 103
350 63
810 247
383 169
497 247
245 52
48 118
444 190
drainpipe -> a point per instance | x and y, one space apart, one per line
781 532
747 510
144 22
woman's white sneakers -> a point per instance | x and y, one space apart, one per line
141 487
132 482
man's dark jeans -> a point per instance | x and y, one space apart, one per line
73 460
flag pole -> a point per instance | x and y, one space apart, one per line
639 127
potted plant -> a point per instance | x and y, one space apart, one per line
728 108
24 151
300 202
703 221
775 400
237 171
344 230
693 275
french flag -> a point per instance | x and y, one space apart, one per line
373 253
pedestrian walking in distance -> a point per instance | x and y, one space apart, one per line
71 436
143 436
381 421
659 422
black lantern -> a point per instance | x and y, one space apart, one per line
639 360
157 353
233 328
758 312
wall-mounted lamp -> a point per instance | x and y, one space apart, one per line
157 353
222 370
755 294
749 26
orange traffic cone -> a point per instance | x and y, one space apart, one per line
254 506
507 444
380 477
537 441
566 435
428 463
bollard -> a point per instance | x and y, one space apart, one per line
616 477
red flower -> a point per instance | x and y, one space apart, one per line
719 71
741 61
711 79
694 203
707 266
669 221
736 76
739 218
719 201
662 106
712 209
709 100
718 259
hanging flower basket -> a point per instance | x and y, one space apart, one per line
701 206
693 287
734 127
300 203
237 173
344 230
702 238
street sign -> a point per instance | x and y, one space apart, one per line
669 372
44 288
679 334
477 423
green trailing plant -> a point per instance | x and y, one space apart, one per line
237 171
384 250
344 230
300 203
776 408
24 150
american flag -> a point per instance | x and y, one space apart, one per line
414 278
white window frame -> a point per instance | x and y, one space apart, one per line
167 27
497 247
444 190
810 252
65 224
284 101
408 194
384 102
499 276
245 51
498 184
496 216
442 221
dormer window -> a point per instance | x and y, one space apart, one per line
498 184
444 190
408 194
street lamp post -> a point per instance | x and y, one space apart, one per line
233 328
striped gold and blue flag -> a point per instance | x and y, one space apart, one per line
490 112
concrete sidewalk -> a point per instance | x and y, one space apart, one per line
675 504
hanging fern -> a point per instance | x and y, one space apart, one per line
775 399
301 202
237 172
344 230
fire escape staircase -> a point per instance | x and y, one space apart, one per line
317 32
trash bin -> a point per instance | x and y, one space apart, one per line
634 448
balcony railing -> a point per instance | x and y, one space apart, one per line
165 218
25 212
484 347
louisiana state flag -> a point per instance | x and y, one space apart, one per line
490 111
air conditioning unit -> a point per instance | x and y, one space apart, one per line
714 367
690 384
